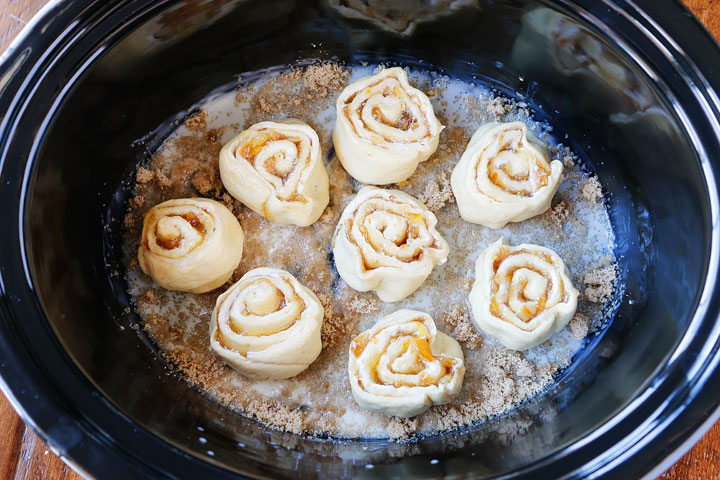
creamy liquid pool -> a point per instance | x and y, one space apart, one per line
318 401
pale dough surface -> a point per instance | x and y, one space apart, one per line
190 244
386 242
384 128
277 169
522 294
504 175
403 365
267 325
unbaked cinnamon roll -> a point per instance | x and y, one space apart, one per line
384 128
522 294
276 169
190 244
267 325
403 365
386 241
504 175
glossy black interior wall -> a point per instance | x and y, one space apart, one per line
611 111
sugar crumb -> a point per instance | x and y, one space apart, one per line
399 427
150 297
129 221
213 136
579 326
277 415
437 192
591 190
497 106
334 327
144 175
465 332
432 91
137 201
321 79
162 180
600 283
558 214
197 121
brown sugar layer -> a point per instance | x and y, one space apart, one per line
437 192
197 121
318 400
464 332
579 326
600 283
591 190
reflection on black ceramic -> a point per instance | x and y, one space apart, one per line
97 389
394 17
588 67
553 45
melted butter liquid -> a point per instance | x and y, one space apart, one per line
322 392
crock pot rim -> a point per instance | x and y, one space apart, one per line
89 455
90 432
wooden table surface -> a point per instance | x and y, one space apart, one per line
23 456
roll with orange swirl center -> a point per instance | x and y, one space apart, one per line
190 244
267 325
504 175
403 365
522 294
276 169
384 128
386 241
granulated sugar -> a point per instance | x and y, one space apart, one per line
318 400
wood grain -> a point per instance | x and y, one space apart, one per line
14 14
23 456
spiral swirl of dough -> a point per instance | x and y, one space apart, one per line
190 244
522 294
386 241
267 325
276 169
384 128
504 175
403 365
